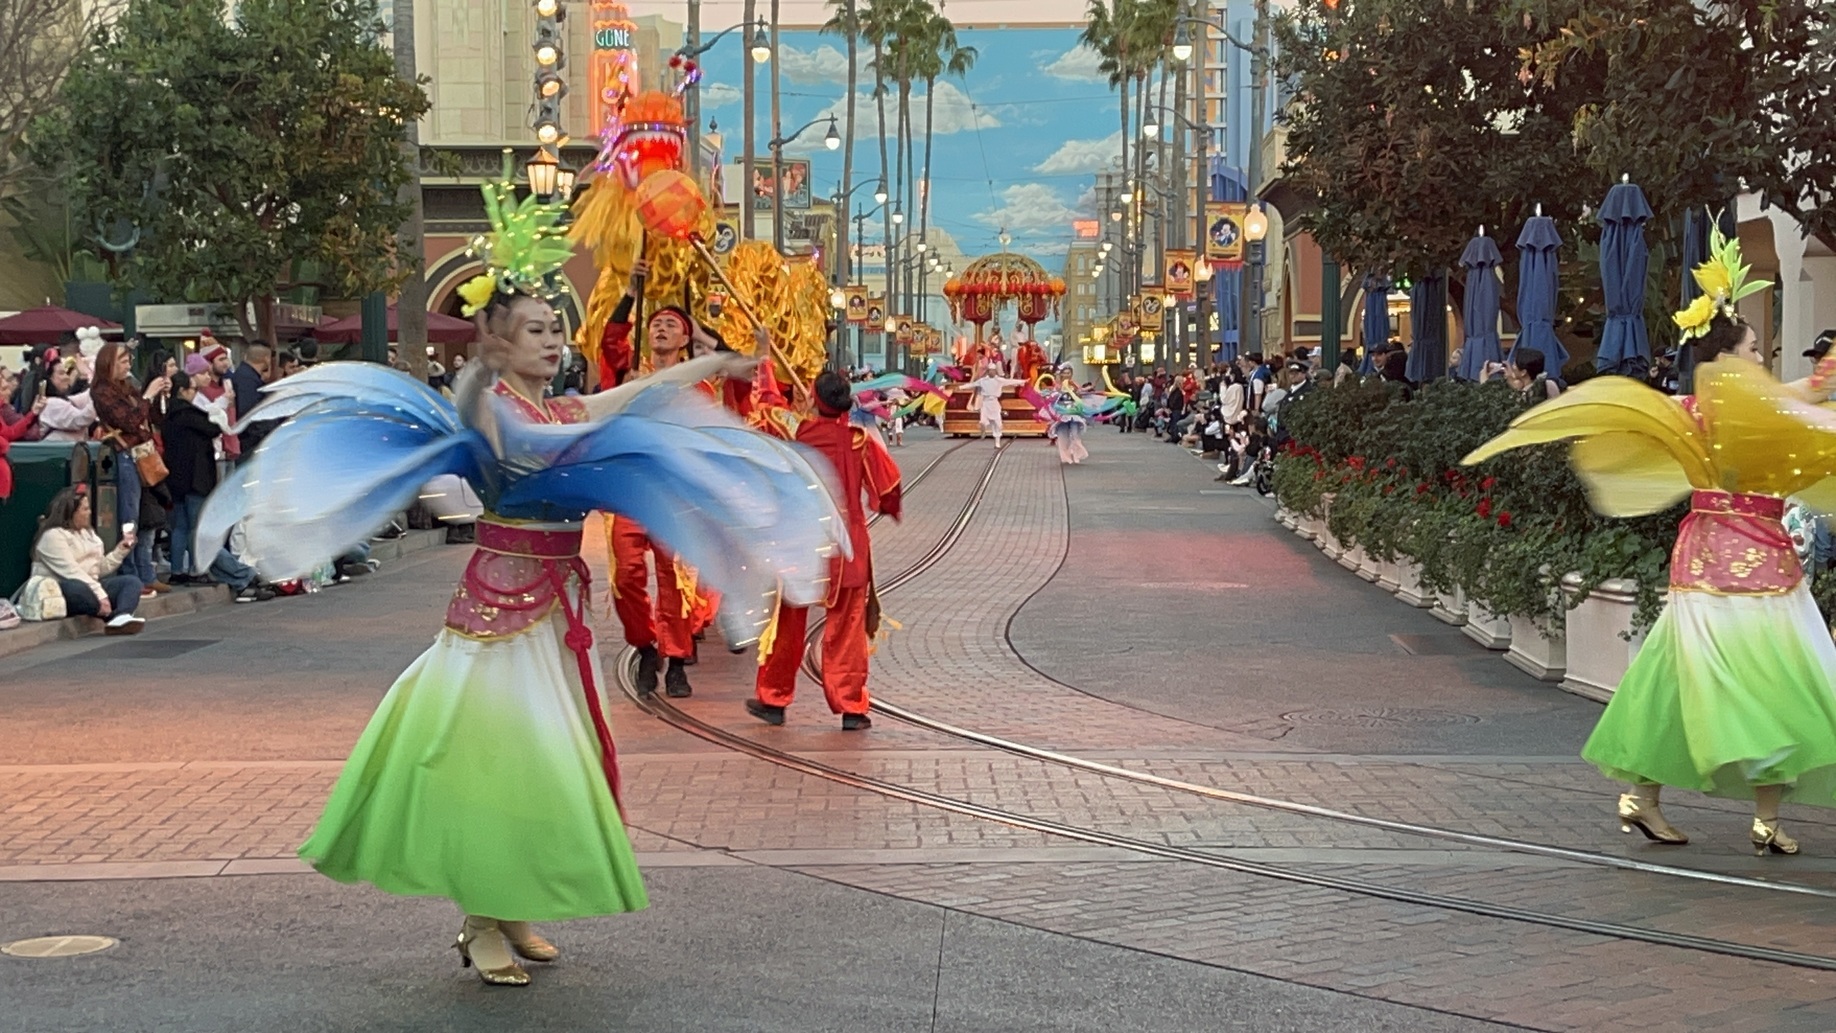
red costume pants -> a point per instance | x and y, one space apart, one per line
844 654
667 626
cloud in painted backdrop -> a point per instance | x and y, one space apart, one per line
1082 156
955 113
1031 208
719 95
825 64
1079 64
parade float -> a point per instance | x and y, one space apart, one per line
640 203
978 295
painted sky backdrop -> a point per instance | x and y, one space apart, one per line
1016 142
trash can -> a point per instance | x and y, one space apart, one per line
41 469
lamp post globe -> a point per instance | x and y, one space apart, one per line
761 44
1255 224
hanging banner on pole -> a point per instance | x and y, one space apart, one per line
1224 232
876 312
1180 264
1152 309
857 303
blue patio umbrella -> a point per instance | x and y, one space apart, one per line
1625 347
1428 326
1536 292
1480 309
1376 319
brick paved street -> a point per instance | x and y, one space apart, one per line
1124 611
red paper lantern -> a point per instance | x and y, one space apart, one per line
669 203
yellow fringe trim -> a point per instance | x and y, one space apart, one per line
769 637
686 584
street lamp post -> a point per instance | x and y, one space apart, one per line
1255 228
830 139
758 49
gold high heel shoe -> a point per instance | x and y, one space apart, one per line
477 929
1769 838
527 944
1637 812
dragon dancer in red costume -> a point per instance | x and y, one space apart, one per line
663 632
863 469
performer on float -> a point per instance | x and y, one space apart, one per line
863 470
1030 361
488 775
1730 694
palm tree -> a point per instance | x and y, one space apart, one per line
944 57
876 27
846 23
1105 35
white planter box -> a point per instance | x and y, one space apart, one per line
1388 577
1409 584
1310 528
1325 540
1450 609
1598 631
1351 558
1368 567
1542 657
1490 631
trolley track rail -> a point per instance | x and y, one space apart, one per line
657 707
959 526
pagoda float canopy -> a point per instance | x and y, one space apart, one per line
979 292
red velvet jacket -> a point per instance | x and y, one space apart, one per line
9 433
862 468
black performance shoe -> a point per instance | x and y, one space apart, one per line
647 672
675 680
856 722
765 712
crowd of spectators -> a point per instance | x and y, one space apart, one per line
170 426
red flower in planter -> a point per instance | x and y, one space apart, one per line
1488 483
1484 508
1422 488
1388 488
1504 518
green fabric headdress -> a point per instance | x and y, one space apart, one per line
526 248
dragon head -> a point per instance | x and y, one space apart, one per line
648 136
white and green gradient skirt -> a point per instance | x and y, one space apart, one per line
1728 692
479 780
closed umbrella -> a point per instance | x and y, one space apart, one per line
1536 292
1428 325
1480 309
1625 348
1376 319
1696 226
1226 295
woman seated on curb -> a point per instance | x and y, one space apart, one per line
68 550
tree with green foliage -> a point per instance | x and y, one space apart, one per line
1414 125
1695 100
229 152
1417 121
